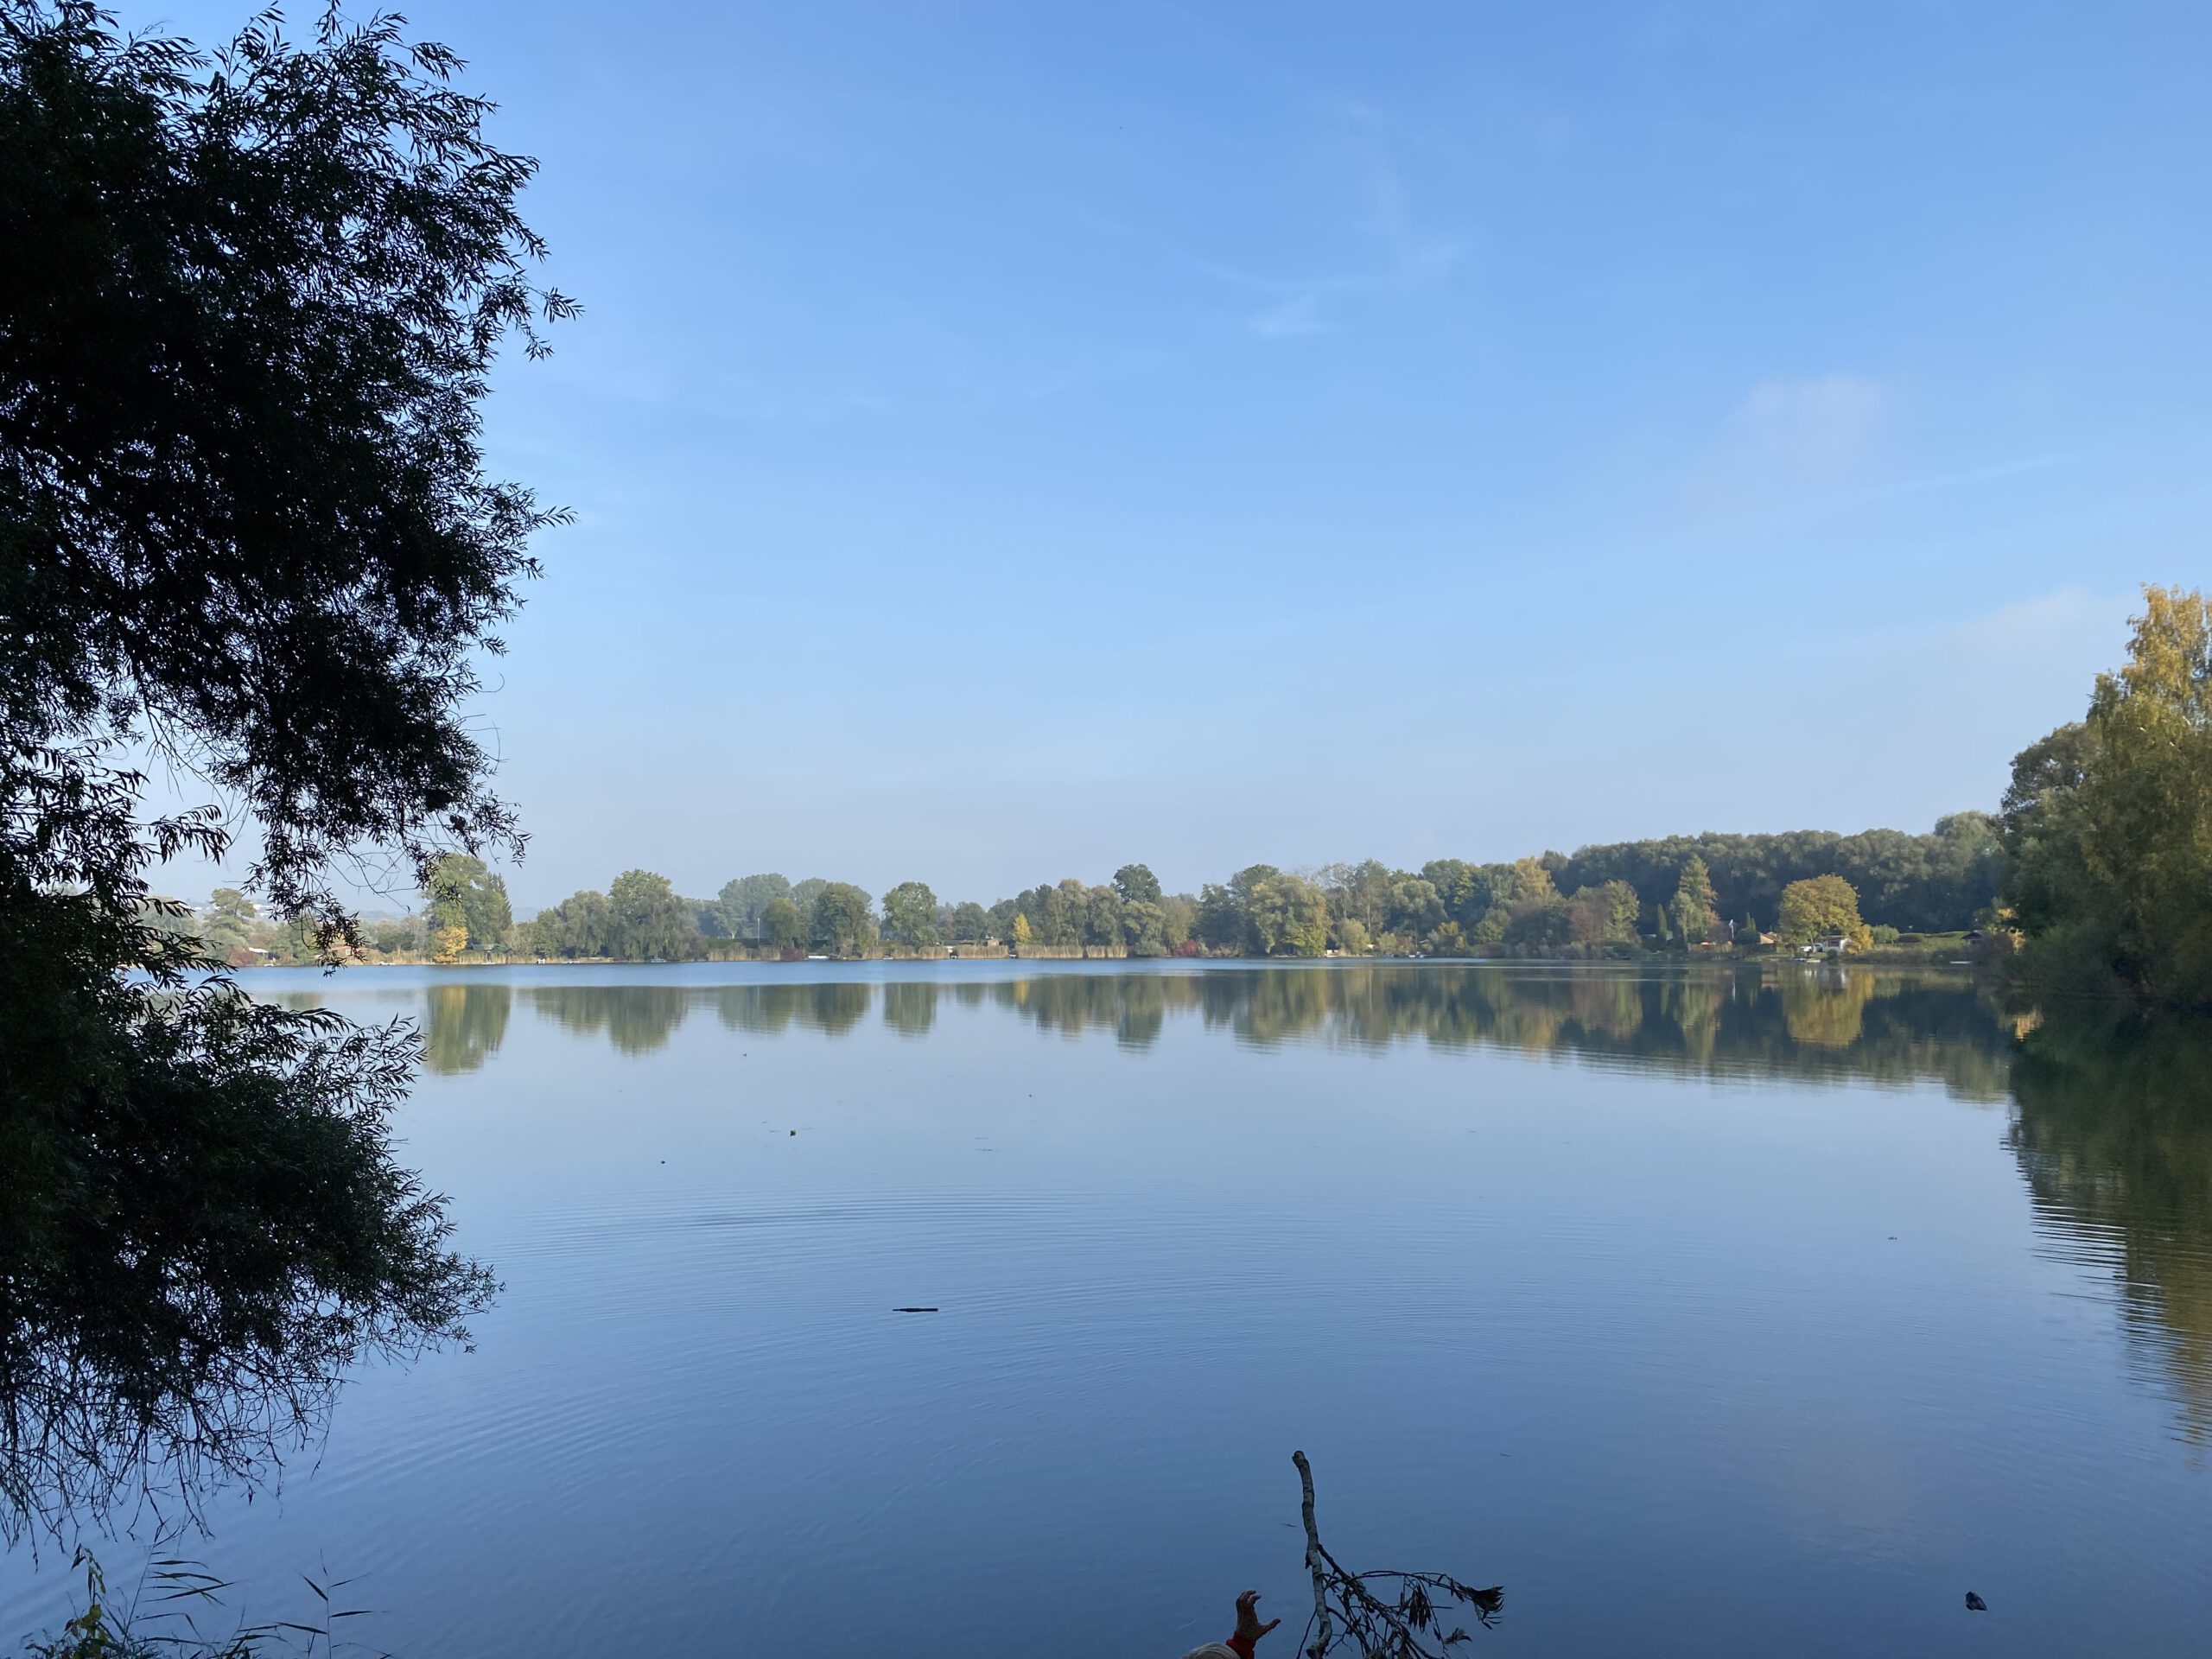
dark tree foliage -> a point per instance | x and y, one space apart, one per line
580 925
1137 884
201 1223
464 894
2113 1127
244 525
243 512
2108 824
1939 882
2038 816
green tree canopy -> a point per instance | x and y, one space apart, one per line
803 895
229 904
227 927
1220 923
1144 929
464 893
781 925
1054 911
2108 822
248 311
1929 883
1359 893
583 924
910 915
646 920
741 902
1696 914
1540 926
1137 884
1820 907
237 395
1103 911
1603 915
1415 909
1288 915
844 919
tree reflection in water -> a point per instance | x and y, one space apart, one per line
831 1009
2113 1125
182 1294
462 1025
190 1264
1787 1021
636 1018
910 1006
2110 1120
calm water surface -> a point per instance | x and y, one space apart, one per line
1729 1314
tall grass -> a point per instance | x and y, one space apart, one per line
175 1611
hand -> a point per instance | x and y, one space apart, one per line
1248 1618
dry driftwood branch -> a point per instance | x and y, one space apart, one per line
1402 1622
1316 1558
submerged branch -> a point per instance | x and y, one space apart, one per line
1405 1625
1316 1558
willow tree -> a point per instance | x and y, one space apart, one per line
245 529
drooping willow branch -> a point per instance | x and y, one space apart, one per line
1402 1621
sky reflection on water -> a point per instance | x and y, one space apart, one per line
1715 1312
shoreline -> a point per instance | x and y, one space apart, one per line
1875 959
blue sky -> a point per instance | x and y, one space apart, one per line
1011 440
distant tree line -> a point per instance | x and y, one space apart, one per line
2096 866
1681 893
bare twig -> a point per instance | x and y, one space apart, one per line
1405 1626
1316 1558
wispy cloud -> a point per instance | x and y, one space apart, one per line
2072 619
1795 451
1398 250
1789 445
1413 253
1373 235
1381 241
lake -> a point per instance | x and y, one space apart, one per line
1748 1312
